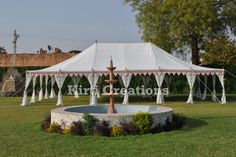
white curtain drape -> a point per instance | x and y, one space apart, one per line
46 87
199 92
60 78
41 87
27 82
33 97
126 78
214 87
93 79
52 92
223 98
76 80
97 87
191 79
205 88
159 78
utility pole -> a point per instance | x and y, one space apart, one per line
15 37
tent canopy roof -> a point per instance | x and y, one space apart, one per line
136 58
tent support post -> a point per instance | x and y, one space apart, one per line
205 88
159 78
33 97
126 78
60 78
93 79
52 92
214 89
191 79
41 87
221 78
27 82
46 87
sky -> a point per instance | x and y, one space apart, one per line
67 24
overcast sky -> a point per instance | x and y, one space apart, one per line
67 24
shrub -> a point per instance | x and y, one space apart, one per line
67 131
168 125
143 121
102 128
89 123
46 123
117 131
156 129
176 123
77 128
178 120
55 128
129 128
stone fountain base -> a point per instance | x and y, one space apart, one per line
67 115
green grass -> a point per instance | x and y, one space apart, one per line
210 131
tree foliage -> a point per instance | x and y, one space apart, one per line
221 50
173 24
2 50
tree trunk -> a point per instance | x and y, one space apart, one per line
195 51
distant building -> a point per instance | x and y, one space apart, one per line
41 58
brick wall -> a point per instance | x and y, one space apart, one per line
23 60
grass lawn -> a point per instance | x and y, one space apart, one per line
210 131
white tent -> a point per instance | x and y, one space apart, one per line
130 59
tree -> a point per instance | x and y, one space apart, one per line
49 48
174 24
221 50
2 50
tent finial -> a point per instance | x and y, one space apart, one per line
111 62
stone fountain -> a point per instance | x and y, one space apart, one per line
114 113
111 94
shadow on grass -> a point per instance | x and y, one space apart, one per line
179 122
231 97
172 98
192 123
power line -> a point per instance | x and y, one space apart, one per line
43 41
50 37
26 50
47 43
5 34
23 36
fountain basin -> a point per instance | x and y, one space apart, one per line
67 115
